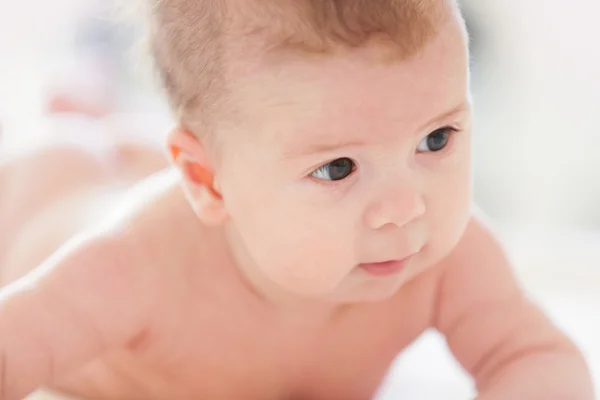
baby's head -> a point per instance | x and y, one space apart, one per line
322 134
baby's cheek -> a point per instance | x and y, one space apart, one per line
448 212
301 249
307 259
447 229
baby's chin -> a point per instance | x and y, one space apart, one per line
355 288
372 295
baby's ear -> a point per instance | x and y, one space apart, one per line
189 156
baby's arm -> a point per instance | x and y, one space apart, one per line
506 343
83 300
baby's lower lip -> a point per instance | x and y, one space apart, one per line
385 268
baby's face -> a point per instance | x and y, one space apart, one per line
346 161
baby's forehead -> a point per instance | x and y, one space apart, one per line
296 131
357 89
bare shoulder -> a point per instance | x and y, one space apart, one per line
105 262
155 215
158 233
156 227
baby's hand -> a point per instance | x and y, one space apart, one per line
83 300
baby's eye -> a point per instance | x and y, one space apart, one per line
435 141
335 171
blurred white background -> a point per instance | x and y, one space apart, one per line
536 84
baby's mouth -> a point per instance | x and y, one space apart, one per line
386 268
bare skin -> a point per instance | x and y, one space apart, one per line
246 339
246 278
156 303
43 217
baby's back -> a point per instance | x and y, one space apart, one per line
45 198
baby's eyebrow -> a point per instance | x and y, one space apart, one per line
343 143
320 148
462 107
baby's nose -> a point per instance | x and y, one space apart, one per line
397 206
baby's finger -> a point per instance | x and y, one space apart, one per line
79 303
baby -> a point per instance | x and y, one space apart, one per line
317 220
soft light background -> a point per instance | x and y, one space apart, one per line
536 84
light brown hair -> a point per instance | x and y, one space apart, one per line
191 41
